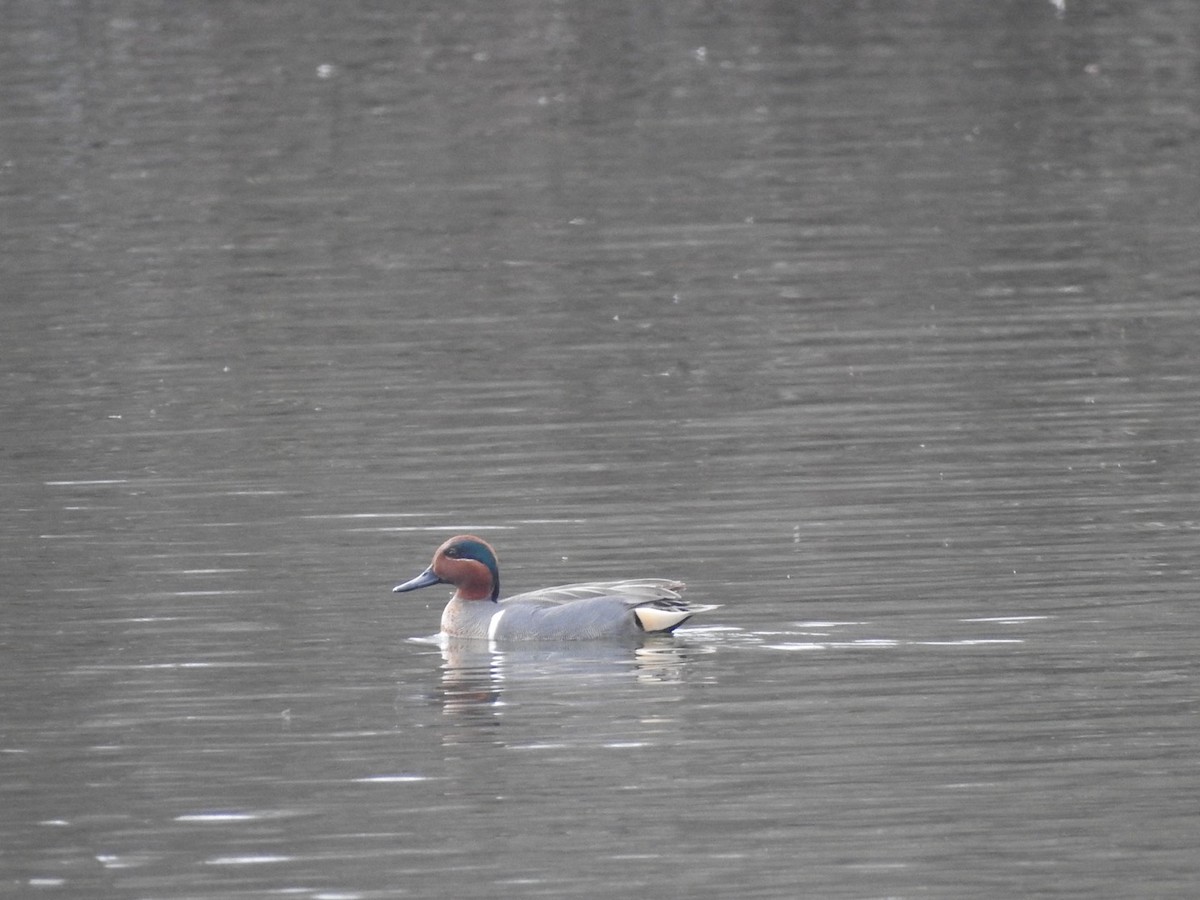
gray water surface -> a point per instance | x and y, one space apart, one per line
877 326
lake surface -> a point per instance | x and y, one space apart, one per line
878 326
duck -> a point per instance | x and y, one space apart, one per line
571 612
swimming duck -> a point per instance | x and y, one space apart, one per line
585 611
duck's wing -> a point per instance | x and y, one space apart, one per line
655 602
635 592
598 609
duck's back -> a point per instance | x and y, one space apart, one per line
612 609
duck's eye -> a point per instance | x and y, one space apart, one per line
453 552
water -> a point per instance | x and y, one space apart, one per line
877 327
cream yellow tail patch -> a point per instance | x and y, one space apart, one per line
661 619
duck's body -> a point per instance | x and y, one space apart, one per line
586 611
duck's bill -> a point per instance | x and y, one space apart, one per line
425 579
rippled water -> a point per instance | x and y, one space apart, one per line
878 327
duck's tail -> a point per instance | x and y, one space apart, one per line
666 614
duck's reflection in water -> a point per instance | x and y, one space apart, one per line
477 675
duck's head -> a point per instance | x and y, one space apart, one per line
467 562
